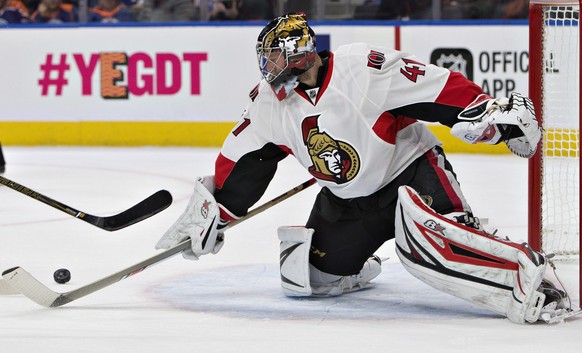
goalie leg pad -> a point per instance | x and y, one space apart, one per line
294 260
527 302
494 273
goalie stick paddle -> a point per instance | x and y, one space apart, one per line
23 282
150 206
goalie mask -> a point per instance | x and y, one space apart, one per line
285 50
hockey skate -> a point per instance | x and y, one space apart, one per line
551 315
347 284
557 305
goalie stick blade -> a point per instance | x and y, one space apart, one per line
152 205
24 283
6 289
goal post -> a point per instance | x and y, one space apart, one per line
554 87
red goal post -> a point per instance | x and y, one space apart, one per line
554 87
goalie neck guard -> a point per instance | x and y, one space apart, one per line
285 50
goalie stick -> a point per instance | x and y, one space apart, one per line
6 289
23 282
150 206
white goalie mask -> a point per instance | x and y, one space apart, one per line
285 50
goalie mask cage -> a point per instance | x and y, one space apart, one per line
554 171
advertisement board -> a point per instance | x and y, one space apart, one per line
188 84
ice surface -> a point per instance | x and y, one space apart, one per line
230 302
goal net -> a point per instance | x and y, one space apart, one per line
554 86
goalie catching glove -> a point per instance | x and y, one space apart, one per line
200 222
493 121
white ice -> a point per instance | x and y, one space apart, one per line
230 302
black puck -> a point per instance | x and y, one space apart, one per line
62 276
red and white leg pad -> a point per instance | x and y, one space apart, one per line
471 264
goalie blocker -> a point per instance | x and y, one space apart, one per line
491 272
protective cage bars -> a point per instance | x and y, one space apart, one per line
547 69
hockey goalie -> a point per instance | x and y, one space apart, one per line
353 118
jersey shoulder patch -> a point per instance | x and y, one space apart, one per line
376 59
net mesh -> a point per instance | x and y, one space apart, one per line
560 115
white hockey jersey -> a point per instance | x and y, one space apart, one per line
354 133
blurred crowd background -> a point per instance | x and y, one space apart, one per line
111 11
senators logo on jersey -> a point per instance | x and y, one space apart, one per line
333 160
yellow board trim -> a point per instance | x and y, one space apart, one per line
196 134
114 133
